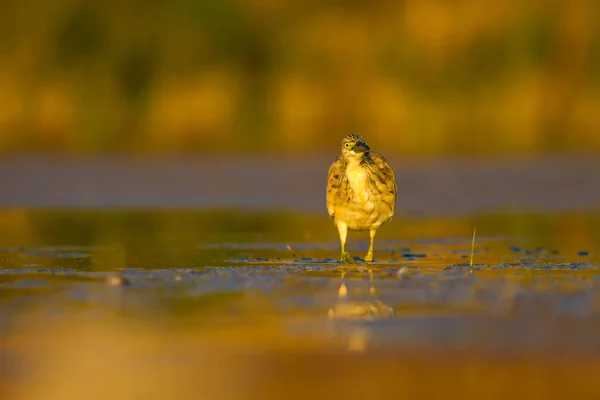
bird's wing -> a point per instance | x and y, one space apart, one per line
388 178
334 184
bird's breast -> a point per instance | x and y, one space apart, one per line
358 182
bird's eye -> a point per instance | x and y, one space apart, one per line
347 145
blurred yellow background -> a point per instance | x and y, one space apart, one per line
415 76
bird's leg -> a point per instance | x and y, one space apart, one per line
369 257
343 230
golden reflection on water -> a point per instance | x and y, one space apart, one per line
237 305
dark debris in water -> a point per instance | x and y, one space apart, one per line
413 255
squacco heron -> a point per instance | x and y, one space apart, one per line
361 192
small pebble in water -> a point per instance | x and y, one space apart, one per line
117 280
583 253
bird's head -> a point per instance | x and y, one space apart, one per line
354 147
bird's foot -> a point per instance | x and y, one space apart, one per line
369 258
346 258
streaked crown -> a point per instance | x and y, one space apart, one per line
353 138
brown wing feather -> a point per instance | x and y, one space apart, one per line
333 184
387 173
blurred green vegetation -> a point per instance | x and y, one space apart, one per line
415 76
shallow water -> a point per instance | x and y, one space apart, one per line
141 299
529 273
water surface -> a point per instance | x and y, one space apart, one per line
141 296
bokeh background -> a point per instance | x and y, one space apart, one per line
416 76
136 137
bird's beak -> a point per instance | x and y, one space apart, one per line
360 147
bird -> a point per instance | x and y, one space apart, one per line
361 192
